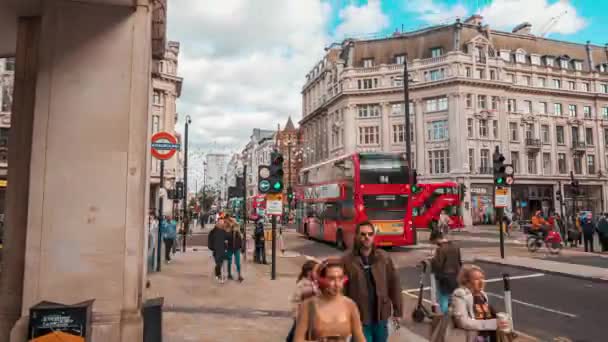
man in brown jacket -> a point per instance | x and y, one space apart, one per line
373 284
446 264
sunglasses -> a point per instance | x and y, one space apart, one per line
370 234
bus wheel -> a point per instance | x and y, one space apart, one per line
340 241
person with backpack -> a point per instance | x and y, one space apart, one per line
260 244
446 264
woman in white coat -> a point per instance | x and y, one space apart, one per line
471 310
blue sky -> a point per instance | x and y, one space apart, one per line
584 19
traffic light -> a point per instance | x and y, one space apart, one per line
289 194
276 173
415 188
576 190
263 178
498 159
558 195
462 191
179 190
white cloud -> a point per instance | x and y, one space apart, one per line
506 14
364 19
243 63
435 13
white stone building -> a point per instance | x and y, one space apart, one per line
543 102
257 152
215 169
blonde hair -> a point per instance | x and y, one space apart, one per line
464 277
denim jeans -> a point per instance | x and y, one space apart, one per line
376 332
237 260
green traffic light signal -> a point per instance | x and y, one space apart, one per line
277 186
500 181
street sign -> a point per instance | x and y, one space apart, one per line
264 185
502 198
274 204
164 145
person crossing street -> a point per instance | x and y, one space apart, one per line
373 284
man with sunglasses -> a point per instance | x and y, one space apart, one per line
373 284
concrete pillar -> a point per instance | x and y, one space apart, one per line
88 178
17 194
419 132
385 127
350 129
457 126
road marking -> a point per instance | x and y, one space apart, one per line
493 280
539 307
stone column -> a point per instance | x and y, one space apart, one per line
87 187
418 128
350 129
385 127
457 127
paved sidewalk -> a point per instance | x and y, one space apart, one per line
574 270
197 309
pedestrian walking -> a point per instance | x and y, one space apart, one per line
305 288
588 231
602 229
373 284
331 316
235 243
169 234
260 244
473 315
446 264
444 222
216 241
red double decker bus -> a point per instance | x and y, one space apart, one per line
431 198
256 207
338 194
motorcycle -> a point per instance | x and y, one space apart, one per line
553 242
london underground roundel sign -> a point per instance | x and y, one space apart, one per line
164 145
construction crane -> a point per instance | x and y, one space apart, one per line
550 24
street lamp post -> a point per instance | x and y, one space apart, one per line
186 220
408 128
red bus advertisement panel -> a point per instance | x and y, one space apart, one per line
431 199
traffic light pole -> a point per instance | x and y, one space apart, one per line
273 274
186 219
244 211
408 129
160 215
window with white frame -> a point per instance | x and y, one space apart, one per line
563 63
439 162
546 163
557 84
157 98
520 57
571 85
367 83
495 129
585 86
535 60
482 102
369 110
469 100
368 62
542 82
495 102
484 158
470 128
589 136
483 128
543 108
468 72
587 112
471 159
510 78
590 164
369 135
437 130
436 52
480 74
604 88
578 164
527 107
397 81
605 113
397 109
578 65
559 135
562 165
511 105
437 104
436 75
513 131
532 163
527 80
557 109
515 161
398 133
492 74
529 131
572 110
399 59
545 135
549 61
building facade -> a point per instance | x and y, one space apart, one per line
215 170
7 77
289 143
257 152
167 88
543 102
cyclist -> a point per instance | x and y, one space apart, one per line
539 225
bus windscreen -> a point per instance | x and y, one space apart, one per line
382 169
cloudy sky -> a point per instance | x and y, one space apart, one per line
244 61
